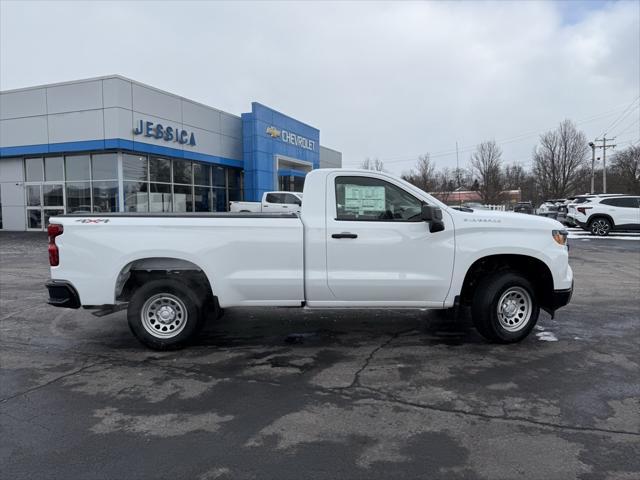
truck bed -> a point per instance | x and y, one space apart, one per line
251 258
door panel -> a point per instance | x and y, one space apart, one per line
392 259
44 200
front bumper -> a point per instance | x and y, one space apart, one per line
62 294
560 298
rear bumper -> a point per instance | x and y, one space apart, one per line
62 294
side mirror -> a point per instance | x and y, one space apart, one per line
433 215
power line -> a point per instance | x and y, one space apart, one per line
622 115
628 127
515 138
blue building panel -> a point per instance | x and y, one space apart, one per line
267 133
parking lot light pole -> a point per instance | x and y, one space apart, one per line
593 164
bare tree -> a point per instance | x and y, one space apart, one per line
514 177
372 164
558 160
445 184
486 163
626 164
424 175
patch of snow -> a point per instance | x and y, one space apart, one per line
547 337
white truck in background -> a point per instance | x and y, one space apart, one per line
272 202
363 239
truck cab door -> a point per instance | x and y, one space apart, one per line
379 250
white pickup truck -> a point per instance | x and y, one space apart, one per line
272 202
363 239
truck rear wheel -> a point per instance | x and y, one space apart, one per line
505 309
164 314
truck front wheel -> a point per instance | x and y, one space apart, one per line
505 308
164 314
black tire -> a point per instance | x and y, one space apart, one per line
600 226
484 307
168 298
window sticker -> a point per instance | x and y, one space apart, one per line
359 199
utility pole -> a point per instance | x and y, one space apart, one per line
593 165
458 172
604 147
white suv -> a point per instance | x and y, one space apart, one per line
600 215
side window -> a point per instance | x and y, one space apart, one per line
288 198
626 202
373 200
275 198
629 202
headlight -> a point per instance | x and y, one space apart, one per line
560 236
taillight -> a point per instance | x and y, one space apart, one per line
583 210
54 256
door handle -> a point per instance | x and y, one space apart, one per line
344 235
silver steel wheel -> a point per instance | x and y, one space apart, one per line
514 309
600 227
164 315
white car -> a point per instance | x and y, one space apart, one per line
364 239
573 203
272 202
603 214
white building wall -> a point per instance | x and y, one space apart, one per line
109 108
12 194
330 158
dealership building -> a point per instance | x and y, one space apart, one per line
111 144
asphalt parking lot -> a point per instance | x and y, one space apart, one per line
289 394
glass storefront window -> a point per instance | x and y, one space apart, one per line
90 183
219 200
160 170
136 197
105 196
33 169
182 172
105 166
160 197
201 199
33 196
234 177
182 198
54 169
52 195
219 177
201 174
78 197
235 195
78 167
134 167
34 218
51 212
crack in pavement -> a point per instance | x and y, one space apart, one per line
388 397
44 385
356 376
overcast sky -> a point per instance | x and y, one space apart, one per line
385 80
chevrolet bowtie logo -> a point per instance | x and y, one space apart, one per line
273 131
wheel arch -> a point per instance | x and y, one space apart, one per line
142 270
536 271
